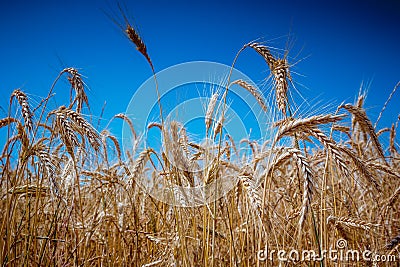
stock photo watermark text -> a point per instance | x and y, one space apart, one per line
341 253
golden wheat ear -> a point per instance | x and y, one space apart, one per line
75 79
130 32
210 110
254 92
280 71
23 102
135 38
360 117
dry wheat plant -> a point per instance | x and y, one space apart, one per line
69 195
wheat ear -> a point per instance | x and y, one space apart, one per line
82 126
128 121
290 126
140 162
351 222
307 184
392 147
361 167
75 79
254 92
48 165
107 134
307 127
251 191
210 111
280 71
365 123
135 38
23 101
67 134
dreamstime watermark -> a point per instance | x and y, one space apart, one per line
184 91
340 254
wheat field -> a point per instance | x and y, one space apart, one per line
69 195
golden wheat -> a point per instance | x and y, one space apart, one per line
23 101
280 70
67 203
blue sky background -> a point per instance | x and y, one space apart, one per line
342 44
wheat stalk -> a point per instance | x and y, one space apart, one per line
280 71
279 159
308 183
381 131
29 190
183 140
331 147
154 124
386 103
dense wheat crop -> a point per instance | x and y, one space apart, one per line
69 194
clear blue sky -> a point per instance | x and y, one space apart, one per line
343 43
